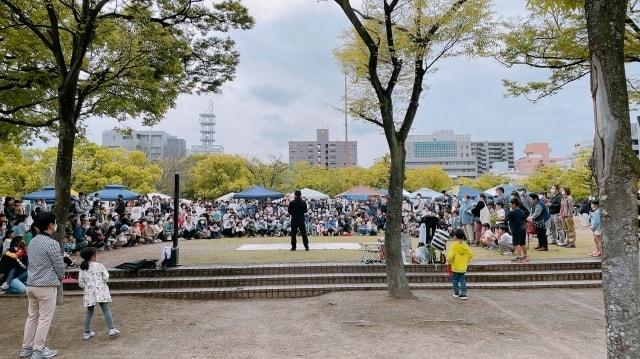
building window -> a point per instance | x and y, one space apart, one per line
435 149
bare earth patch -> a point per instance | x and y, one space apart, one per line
491 324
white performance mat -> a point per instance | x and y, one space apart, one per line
287 246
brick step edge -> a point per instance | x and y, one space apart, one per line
306 268
297 291
339 278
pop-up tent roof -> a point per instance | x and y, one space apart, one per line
48 194
426 193
461 191
360 193
111 192
507 190
309 193
226 197
258 192
385 192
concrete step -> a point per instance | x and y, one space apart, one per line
296 291
321 268
338 278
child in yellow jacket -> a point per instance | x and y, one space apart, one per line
458 257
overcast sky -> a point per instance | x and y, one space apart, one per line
287 76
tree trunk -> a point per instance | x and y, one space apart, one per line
616 171
64 160
398 286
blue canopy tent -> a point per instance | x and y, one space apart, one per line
258 192
461 191
47 194
112 191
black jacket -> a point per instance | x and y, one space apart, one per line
297 210
555 204
478 208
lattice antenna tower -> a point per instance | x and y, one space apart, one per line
208 128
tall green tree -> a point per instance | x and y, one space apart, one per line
391 47
64 61
216 175
433 177
616 171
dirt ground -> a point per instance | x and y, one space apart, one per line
491 324
223 251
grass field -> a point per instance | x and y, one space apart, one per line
223 251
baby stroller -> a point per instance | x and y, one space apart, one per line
437 247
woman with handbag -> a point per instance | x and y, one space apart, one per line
539 217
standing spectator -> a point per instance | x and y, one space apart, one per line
554 203
45 273
596 228
477 222
516 218
585 209
566 218
467 218
297 209
539 217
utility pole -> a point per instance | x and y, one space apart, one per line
346 129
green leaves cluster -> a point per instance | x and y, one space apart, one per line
24 171
553 38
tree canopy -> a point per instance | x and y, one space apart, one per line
553 38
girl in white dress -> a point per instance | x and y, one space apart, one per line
93 279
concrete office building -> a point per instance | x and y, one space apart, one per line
157 145
325 153
442 148
489 152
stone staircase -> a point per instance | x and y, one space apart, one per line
310 279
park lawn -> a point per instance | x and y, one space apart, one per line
223 251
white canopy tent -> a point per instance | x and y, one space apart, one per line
226 197
159 195
309 194
426 193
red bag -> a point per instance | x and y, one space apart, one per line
447 269
531 229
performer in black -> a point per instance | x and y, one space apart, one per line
297 210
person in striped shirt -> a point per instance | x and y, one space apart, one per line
45 273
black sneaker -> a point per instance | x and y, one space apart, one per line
293 249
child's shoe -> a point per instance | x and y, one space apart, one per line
88 335
114 332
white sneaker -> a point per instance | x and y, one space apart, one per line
89 335
456 295
114 332
4 286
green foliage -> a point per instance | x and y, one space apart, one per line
93 168
18 175
423 31
433 177
216 175
112 59
553 37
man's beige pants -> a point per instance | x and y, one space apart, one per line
42 304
